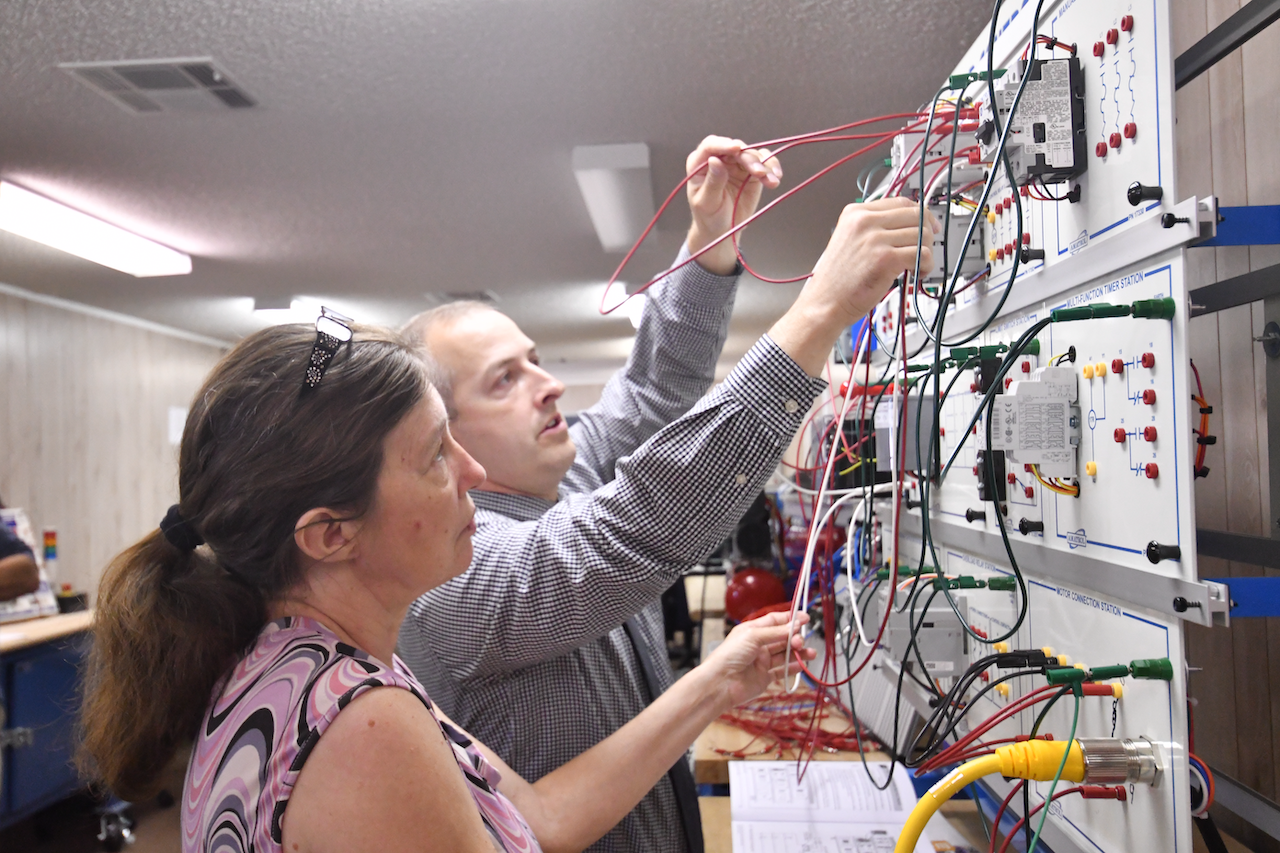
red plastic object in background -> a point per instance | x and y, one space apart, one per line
1029 491
749 590
1013 479
1026 367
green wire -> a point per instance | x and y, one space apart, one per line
1075 719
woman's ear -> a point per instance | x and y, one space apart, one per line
325 535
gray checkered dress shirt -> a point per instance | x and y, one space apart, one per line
526 650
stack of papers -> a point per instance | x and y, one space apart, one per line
834 809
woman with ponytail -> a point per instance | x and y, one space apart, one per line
320 493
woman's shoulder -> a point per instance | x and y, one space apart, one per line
267 716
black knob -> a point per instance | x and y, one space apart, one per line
1138 193
1181 605
1157 552
1169 220
1029 255
1027 526
972 515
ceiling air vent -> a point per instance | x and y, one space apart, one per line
162 85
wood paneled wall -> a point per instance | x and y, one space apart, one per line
84 403
1228 145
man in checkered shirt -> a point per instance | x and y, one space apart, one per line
540 648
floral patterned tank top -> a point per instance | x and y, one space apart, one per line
267 716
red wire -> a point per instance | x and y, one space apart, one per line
787 142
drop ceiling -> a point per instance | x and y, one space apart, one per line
400 150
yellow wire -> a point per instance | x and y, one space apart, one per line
855 465
1070 491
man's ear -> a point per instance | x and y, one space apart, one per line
326 535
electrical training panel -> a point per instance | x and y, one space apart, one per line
1063 397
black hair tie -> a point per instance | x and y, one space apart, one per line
179 532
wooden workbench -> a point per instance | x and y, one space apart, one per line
31 632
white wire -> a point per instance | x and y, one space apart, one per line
802 591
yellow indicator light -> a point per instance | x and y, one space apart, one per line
1091 468
1087 370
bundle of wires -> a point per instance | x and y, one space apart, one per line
790 723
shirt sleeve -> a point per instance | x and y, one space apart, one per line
11 545
538 589
672 364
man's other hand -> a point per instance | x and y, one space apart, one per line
730 166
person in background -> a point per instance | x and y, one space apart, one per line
580 529
261 620
19 573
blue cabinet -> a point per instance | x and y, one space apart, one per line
39 690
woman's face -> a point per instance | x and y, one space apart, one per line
418 530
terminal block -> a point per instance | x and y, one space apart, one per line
953 238
1047 135
1037 422
941 640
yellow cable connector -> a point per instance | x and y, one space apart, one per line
1037 760
1001 648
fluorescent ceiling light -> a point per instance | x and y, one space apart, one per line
299 311
614 180
35 217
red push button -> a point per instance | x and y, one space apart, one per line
1149 396
1117 366
1126 23
1113 36
1013 479
1130 130
1120 435
1149 433
1114 140
1029 491
1099 48
1148 360
1152 470
1026 367
1101 150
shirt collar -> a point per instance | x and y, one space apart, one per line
519 507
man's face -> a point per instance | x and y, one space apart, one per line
504 404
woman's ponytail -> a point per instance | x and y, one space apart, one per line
169 624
